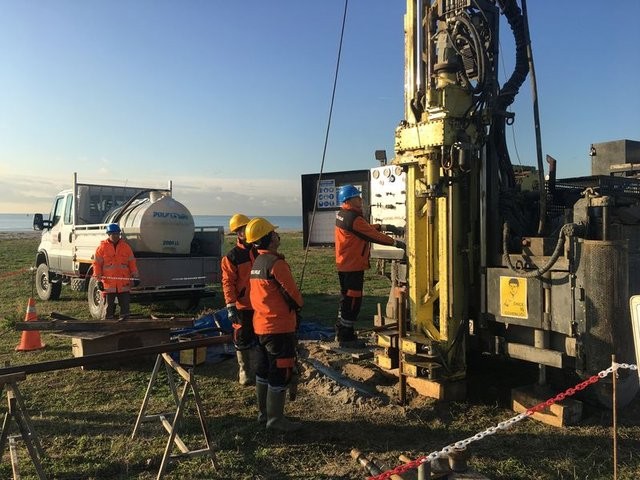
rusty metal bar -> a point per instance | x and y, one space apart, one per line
339 378
369 465
84 326
99 358
400 312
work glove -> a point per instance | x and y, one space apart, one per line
232 314
100 285
400 244
136 282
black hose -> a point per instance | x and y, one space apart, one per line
479 51
567 230
117 214
510 89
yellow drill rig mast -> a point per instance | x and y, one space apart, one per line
534 271
452 101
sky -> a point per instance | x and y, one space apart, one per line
230 100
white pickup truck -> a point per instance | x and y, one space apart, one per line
176 260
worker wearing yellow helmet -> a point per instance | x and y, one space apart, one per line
276 300
236 268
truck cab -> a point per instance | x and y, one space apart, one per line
57 235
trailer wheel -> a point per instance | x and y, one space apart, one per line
95 300
47 290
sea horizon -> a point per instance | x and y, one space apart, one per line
23 222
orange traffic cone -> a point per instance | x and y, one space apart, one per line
30 338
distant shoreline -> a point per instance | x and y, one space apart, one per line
9 234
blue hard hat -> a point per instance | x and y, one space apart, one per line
346 192
113 228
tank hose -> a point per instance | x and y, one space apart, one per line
567 230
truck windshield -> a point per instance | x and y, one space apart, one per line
57 211
68 210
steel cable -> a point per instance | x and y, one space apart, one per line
324 150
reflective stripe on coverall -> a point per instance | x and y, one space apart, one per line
115 266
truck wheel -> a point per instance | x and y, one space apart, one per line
95 299
46 289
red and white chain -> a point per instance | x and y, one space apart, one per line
502 425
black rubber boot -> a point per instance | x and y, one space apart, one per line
347 338
275 412
261 398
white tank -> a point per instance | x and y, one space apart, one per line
158 225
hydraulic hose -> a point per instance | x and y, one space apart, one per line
510 89
567 230
478 48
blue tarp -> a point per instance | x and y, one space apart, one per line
315 331
209 325
217 323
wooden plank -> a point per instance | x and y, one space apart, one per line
388 338
105 325
178 441
99 358
439 390
13 454
103 335
90 343
561 414
386 361
12 377
177 367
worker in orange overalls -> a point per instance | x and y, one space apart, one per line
236 267
115 269
353 235
276 301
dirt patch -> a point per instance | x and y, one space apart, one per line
347 380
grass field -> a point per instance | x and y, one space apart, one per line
85 418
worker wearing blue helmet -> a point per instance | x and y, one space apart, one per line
115 269
353 237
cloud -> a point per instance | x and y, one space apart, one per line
202 196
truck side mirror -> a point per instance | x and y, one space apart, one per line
38 221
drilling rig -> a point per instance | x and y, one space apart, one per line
537 271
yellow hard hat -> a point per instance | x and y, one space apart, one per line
258 228
237 221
